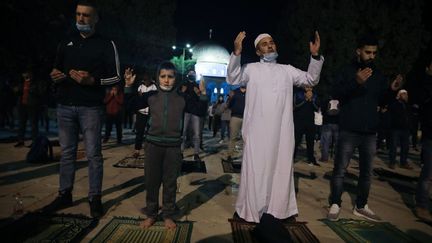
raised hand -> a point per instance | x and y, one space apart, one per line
238 43
202 86
129 77
397 82
315 46
362 75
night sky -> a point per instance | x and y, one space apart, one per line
194 18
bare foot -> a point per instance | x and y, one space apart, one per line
147 223
169 224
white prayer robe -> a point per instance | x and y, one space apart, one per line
267 174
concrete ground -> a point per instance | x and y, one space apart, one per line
208 198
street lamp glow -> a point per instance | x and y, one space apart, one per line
190 50
187 45
173 47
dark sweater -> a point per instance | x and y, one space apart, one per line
237 103
400 115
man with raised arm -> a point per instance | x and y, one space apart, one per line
267 181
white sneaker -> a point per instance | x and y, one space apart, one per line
333 214
366 213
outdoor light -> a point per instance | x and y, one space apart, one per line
222 90
187 45
174 47
215 90
190 50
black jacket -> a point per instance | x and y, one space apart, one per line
237 103
400 115
358 103
94 54
426 107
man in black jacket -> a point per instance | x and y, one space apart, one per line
85 64
358 87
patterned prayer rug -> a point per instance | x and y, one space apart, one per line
121 229
231 166
241 232
351 230
131 162
38 227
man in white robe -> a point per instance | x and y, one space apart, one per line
267 178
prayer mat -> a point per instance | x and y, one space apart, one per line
191 166
131 162
39 227
241 231
352 230
121 229
231 166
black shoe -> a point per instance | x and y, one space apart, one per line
19 144
96 209
63 200
196 157
229 159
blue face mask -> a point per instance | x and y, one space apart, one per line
84 28
270 57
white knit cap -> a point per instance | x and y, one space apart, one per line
400 92
260 37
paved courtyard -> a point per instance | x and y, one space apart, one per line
208 198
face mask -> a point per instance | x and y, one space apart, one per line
166 88
192 77
84 28
270 57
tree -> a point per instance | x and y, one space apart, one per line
397 24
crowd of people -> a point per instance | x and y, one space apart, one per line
271 109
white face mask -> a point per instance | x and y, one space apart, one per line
84 28
166 88
270 57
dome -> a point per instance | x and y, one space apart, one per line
210 51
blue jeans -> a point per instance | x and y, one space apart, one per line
194 120
424 183
225 128
401 136
329 136
347 142
88 120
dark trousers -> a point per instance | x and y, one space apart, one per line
28 113
401 137
309 131
141 129
162 166
216 124
424 183
117 120
346 144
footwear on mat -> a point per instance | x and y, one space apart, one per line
366 213
96 209
333 214
423 214
63 200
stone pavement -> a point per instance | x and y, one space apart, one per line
208 198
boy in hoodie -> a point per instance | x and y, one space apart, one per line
164 138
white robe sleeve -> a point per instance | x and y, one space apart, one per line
309 78
236 75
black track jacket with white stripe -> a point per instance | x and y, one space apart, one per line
94 54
